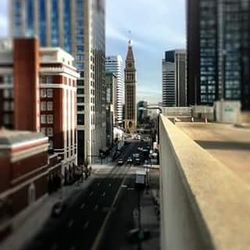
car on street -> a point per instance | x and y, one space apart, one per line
129 160
120 162
137 161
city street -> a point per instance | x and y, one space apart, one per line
78 225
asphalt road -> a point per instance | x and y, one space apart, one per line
83 216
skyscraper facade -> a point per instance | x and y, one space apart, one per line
111 105
142 112
114 64
78 26
174 82
218 51
130 92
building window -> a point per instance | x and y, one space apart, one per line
46 79
43 93
50 132
6 106
8 79
49 93
80 108
49 106
30 16
55 23
50 144
43 130
43 119
49 119
42 22
80 119
8 93
80 82
43 106
80 99
80 91
7 119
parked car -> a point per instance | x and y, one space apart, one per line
120 162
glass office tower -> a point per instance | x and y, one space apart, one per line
218 51
78 26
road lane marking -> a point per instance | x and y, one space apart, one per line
109 184
82 206
103 194
91 193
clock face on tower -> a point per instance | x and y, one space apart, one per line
129 65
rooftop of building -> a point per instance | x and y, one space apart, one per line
12 137
114 58
47 54
227 143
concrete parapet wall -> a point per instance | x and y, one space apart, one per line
203 204
245 117
177 111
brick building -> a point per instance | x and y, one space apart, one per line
25 170
38 93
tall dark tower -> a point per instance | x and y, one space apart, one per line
130 91
218 52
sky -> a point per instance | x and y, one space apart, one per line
155 25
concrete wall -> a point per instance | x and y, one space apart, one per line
245 117
228 111
203 204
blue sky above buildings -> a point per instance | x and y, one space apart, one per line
155 25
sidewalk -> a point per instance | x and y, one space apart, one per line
149 221
28 223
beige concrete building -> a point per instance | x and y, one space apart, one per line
130 92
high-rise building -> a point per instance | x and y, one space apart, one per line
142 111
130 91
174 82
114 64
78 26
38 93
218 51
111 104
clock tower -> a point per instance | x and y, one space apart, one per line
130 92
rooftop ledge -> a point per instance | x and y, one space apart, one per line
205 205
